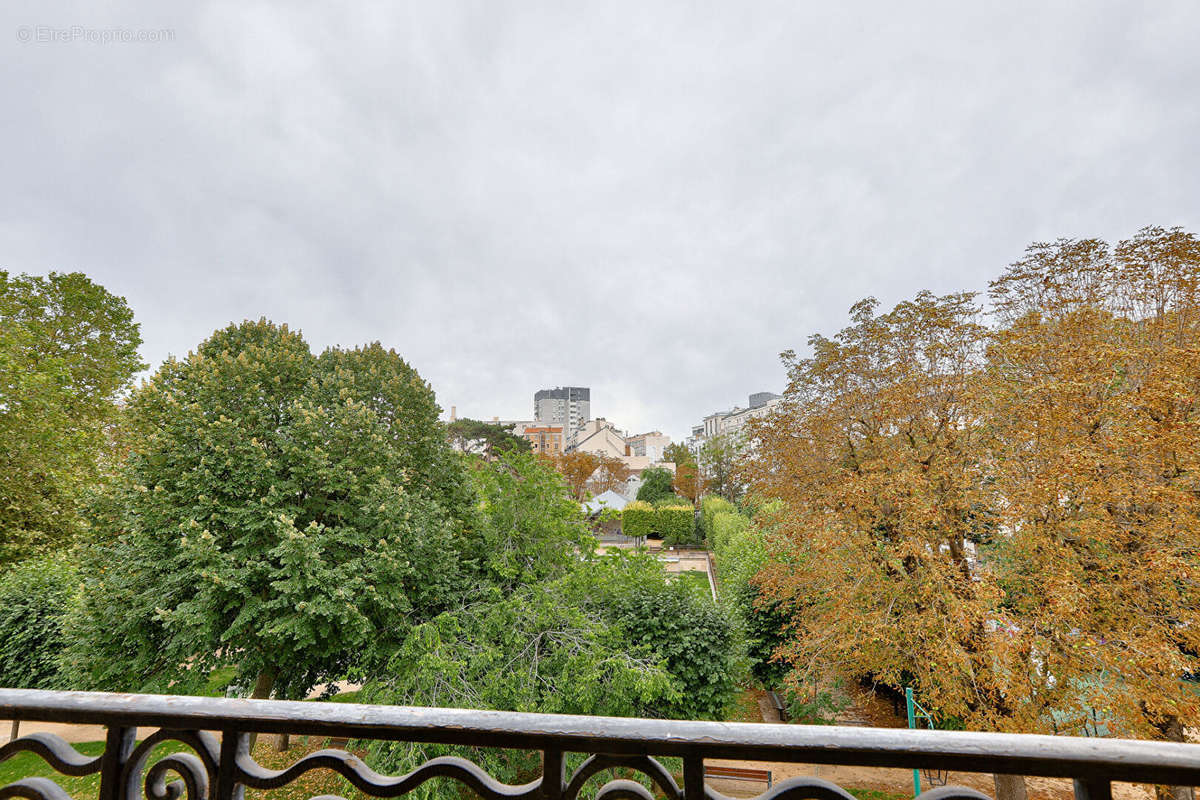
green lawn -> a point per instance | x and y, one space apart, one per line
696 579
27 765
875 794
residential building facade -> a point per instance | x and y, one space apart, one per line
568 406
601 437
733 421
545 439
651 445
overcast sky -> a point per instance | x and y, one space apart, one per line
649 199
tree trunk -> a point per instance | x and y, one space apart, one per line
262 691
1009 787
282 743
16 730
1173 731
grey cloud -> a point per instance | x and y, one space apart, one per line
649 199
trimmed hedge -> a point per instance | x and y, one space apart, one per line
638 519
676 524
709 508
740 548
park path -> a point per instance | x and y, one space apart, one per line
75 734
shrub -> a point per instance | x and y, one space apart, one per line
741 552
638 519
709 507
676 524
34 595
754 506
699 642
726 526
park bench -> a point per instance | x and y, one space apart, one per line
777 702
738 774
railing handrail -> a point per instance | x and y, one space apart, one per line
1022 754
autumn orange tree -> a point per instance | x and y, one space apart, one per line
612 473
590 473
1064 443
875 450
687 472
1094 442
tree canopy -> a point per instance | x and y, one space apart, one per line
530 530
613 636
687 472
278 512
1005 517
874 450
1095 449
485 438
718 464
591 473
68 350
656 484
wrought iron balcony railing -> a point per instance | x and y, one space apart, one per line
220 766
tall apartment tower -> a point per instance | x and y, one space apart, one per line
569 406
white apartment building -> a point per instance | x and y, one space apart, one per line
732 422
651 445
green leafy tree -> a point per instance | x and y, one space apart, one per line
656 483
68 349
34 596
613 637
531 529
718 466
278 512
699 642
485 438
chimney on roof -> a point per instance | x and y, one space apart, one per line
453 413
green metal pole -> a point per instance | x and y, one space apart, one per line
912 724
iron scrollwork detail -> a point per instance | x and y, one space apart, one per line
54 750
58 755
197 773
250 773
650 767
34 789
